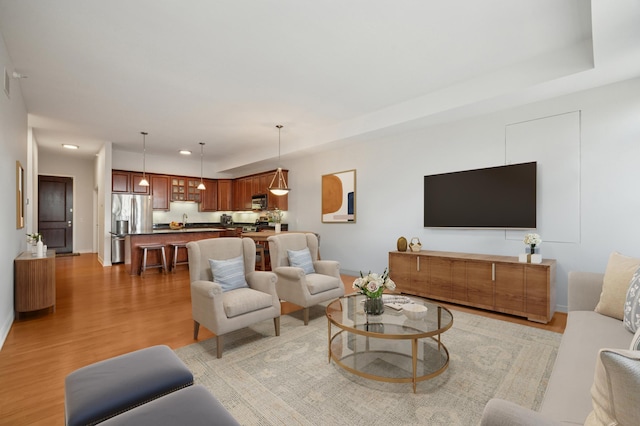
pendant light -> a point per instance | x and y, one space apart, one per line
144 181
201 186
280 187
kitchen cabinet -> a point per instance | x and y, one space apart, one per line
243 190
225 194
136 177
497 283
185 189
120 181
160 190
209 196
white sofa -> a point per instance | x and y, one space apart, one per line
568 398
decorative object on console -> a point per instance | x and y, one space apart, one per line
280 187
532 254
415 244
372 285
32 240
402 244
339 197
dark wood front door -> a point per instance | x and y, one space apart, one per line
55 212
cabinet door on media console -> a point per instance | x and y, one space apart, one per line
400 266
420 276
509 287
440 279
480 284
540 292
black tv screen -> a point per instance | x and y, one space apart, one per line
494 197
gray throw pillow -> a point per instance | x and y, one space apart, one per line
229 273
301 259
632 304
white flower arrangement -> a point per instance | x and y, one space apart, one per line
532 240
372 285
275 215
33 238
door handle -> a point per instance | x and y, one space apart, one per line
69 224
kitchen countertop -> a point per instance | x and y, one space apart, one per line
183 230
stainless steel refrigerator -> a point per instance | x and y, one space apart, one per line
136 213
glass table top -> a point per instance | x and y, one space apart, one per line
348 313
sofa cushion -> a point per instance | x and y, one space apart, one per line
632 304
245 300
301 259
229 273
193 406
568 396
615 388
617 277
101 390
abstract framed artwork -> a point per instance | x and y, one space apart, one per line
339 197
19 196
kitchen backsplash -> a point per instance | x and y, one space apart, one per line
178 209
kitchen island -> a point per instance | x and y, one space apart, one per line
132 253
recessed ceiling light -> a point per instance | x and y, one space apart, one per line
185 152
69 146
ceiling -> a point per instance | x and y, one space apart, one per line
226 72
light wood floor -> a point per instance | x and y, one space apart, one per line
100 313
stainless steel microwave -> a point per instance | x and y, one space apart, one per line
259 202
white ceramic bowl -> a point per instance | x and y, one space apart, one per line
414 311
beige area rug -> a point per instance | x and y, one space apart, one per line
266 380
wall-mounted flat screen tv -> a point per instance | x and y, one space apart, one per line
494 197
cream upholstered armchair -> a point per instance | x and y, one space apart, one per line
302 278
227 293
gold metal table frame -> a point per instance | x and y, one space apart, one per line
362 338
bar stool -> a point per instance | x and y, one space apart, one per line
174 262
143 260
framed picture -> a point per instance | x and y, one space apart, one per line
19 196
339 197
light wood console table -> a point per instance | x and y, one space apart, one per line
34 282
496 283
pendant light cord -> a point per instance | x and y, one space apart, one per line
144 153
279 126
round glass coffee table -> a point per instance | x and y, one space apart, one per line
388 347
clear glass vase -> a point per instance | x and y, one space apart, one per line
373 305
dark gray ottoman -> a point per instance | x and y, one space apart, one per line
193 406
107 388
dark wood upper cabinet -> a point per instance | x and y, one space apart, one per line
161 192
120 181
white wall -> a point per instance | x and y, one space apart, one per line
390 172
13 147
82 171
